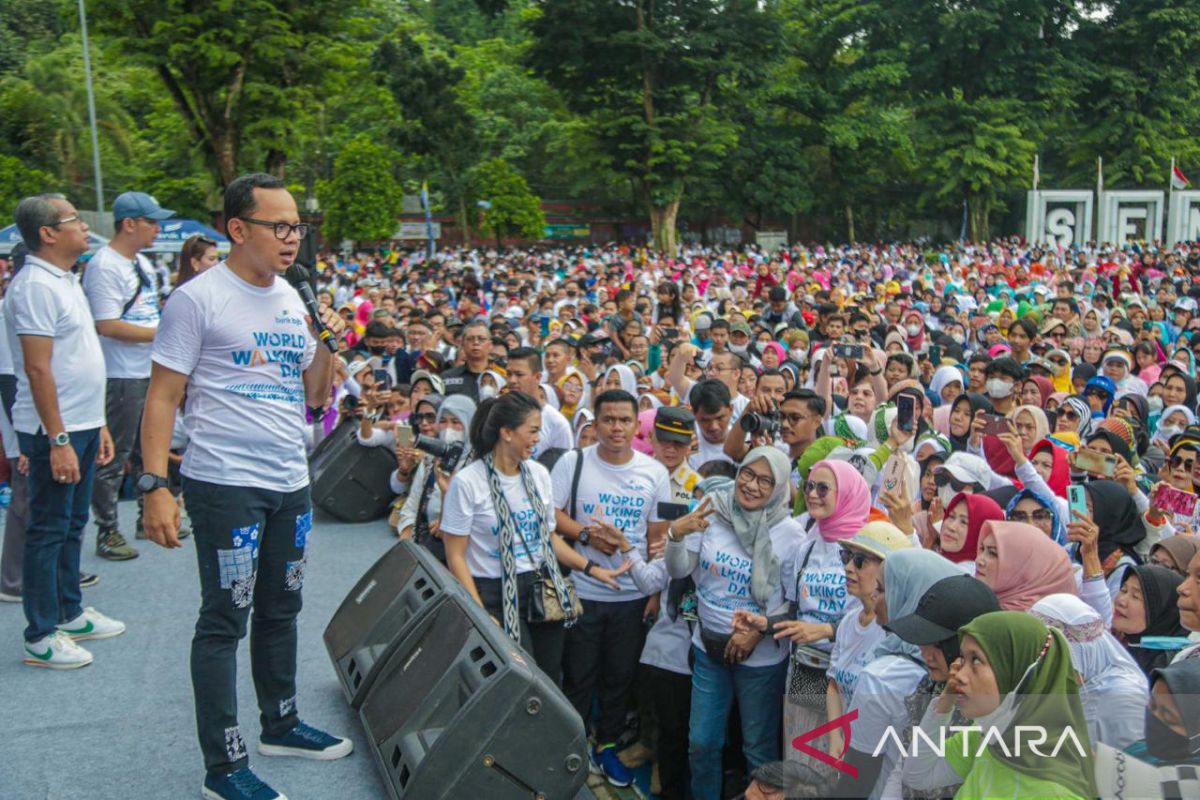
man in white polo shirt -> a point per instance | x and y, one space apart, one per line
236 337
524 374
119 283
59 419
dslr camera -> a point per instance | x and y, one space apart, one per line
768 424
446 453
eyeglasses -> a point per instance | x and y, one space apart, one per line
283 230
1180 461
819 488
716 368
765 483
424 417
1041 515
1100 393
1067 413
859 559
65 220
793 419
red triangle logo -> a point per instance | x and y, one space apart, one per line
800 743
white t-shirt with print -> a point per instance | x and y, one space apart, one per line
723 579
853 648
245 349
43 300
468 510
879 698
705 452
110 281
625 495
820 592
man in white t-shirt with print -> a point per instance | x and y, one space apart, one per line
59 419
237 338
618 488
119 284
524 374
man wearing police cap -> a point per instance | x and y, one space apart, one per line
674 429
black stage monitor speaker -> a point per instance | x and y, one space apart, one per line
460 711
370 622
350 481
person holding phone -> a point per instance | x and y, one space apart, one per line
420 517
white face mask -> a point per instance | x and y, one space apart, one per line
946 494
1165 432
487 392
959 338
740 349
913 329
1155 404
998 388
450 436
799 356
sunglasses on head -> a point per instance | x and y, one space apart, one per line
859 559
944 477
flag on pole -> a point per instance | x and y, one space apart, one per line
428 219
1178 179
1037 176
1099 175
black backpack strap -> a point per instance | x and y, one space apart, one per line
575 479
143 283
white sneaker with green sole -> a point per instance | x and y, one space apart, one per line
91 624
56 651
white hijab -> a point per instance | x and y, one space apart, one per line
1114 691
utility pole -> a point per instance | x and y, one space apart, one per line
91 100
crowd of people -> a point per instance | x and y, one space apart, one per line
882 495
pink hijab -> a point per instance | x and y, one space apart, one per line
641 440
1029 565
853 502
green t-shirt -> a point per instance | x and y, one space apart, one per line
988 777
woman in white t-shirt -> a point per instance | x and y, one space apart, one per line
737 564
497 526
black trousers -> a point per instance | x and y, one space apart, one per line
601 657
543 641
673 706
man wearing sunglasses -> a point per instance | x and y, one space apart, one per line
237 338
120 288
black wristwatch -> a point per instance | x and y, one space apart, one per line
584 536
587 570
148 482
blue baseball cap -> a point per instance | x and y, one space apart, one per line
138 204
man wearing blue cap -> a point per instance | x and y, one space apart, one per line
124 299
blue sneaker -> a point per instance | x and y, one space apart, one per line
240 785
305 741
614 771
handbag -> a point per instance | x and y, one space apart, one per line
544 605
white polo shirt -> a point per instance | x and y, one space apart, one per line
110 281
44 300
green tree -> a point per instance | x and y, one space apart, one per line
364 199
18 181
511 209
655 82
237 73
436 125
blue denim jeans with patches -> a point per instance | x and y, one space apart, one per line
252 546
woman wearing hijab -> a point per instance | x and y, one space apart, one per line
422 509
749 532
1035 391
620 376
1014 672
958 539
1121 528
890 677
1172 719
933 626
1022 564
946 384
1112 687
962 413
1175 552
1074 416
1030 424
570 392
1146 606
1172 422
584 423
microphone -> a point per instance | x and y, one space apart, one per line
299 277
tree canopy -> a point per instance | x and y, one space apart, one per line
835 118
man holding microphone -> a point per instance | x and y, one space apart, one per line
241 344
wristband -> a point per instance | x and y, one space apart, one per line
671 535
587 569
